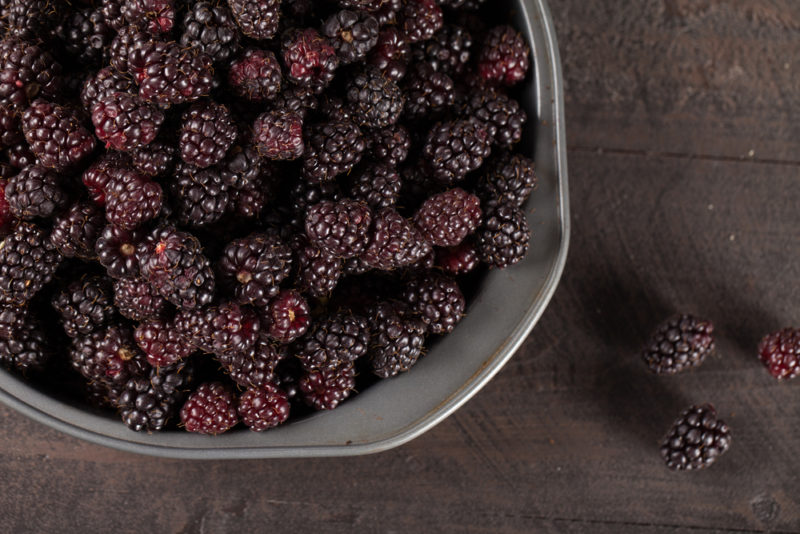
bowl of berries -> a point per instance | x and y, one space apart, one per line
264 228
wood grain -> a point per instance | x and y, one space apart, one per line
665 101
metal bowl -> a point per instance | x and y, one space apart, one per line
391 412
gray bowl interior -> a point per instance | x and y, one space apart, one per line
391 412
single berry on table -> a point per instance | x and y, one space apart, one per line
679 343
780 353
696 439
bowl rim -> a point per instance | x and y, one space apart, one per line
24 399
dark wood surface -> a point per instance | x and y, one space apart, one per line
684 131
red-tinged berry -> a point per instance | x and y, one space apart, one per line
173 262
504 236
28 261
97 177
460 259
162 344
256 75
696 439
84 305
108 355
137 300
257 19
126 122
287 316
332 148
454 148
436 299
35 192
447 218
131 199
76 231
278 134
679 343
351 33
264 407
255 266
325 389
154 16
225 329
211 409
504 56
780 353
391 53
56 135
397 341
421 19
210 27
510 178
309 58
116 251
394 242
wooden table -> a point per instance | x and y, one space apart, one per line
684 132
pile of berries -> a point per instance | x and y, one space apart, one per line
242 209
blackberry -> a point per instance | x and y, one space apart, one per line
332 148
325 389
200 196
137 300
102 84
207 132
13 319
339 228
460 259
510 178
131 199
161 343
35 192
155 16
428 93
445 219
156 159
211 409
210 27
255 75
503 238
501 114
56 135
147 403
378 184
107 355
10 130
389 145
254 367
696 439
374 100
278 134
317 272
28 72
421 19
126 122
779 352
84 305
391 53
352 34
86 36
251 200
333 341
504 56
173 262
170 74
387 14
127 40
32 19
257 19
455 148
243 167
116 251
264 407
100 173
436 299
224 329
255 266
112 13
309 58
287 316
20 156
76 231
448 51
394 242
27 262
678 344
396 342
27 350
297 99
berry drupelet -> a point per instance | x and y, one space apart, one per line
332 148
255 266
211 409
504 236
696 439
56 135
352 34
28 261
339 228
264 407
75 232
278 134
310 59
125 122
780 353
445 219
85 305
504 56
374 100
679 343
454 148
35 192
394 242
255 75
257 19
436 299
